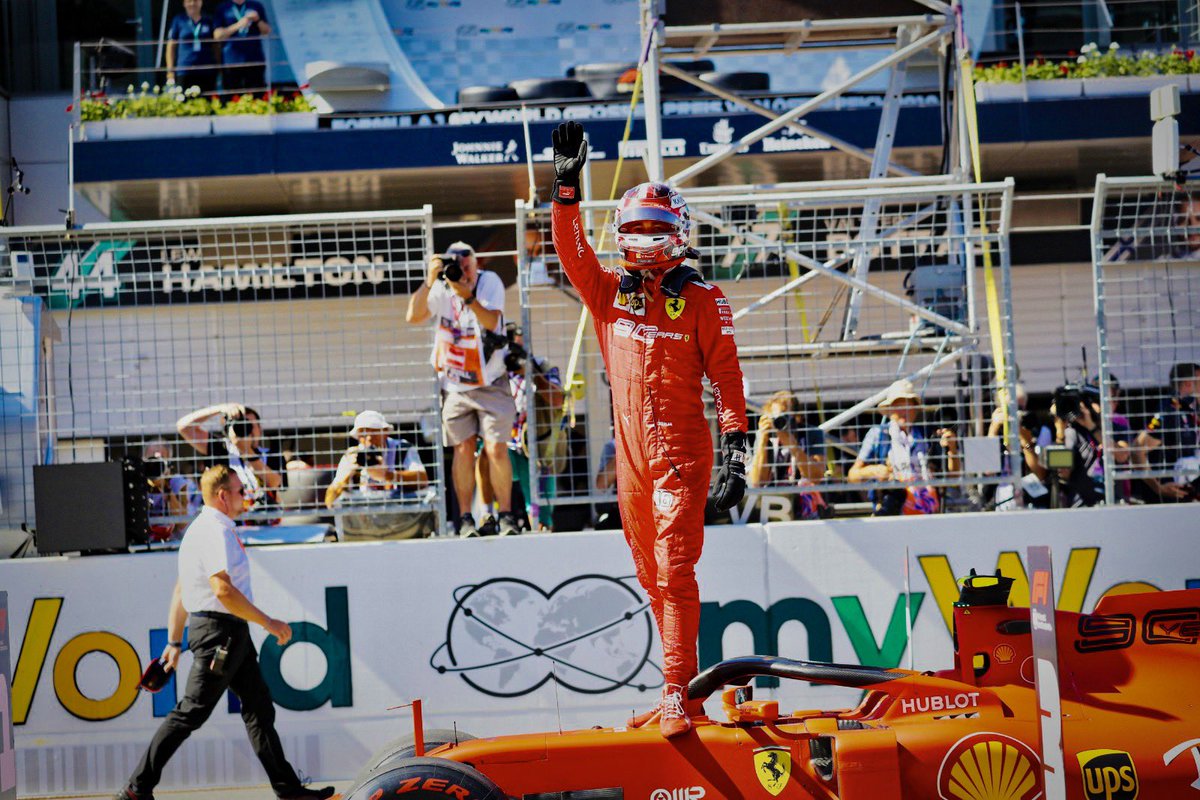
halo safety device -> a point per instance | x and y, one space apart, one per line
652 227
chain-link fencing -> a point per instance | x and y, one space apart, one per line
1146 261
839 292
253 342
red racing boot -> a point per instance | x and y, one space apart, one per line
673 717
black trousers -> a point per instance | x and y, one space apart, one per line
205 689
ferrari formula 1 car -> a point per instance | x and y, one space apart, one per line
1129 680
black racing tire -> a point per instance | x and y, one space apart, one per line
739 81
695 67
550 88
601 78
405 747
473 95
409 774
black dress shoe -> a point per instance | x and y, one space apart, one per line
127 794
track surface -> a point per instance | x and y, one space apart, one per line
262 792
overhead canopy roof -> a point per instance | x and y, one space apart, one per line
706 12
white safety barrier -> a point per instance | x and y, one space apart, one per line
557 633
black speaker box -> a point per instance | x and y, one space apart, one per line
89 508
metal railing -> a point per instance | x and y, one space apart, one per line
119 336
782 259
1146 262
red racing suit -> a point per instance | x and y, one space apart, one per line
657 350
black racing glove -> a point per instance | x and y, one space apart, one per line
730 487
570 153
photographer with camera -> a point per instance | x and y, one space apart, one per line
1171 440
469 350
1077 410
898 450
380 463
238 445
785 454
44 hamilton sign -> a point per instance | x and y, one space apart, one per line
170 269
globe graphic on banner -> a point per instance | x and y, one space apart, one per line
506 637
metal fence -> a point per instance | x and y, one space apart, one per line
839 290
117 337
1146 261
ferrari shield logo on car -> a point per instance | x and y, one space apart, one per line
773 765
675 307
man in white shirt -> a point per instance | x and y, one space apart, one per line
214 588
475 395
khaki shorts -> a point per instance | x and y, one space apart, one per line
489 409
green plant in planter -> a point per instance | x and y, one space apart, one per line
150 102
288 103
1095 62
241 104
94 107
1179 62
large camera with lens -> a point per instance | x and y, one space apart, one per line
370 457
1067 399
155 468
451 268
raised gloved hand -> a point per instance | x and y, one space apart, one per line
570 153
731 479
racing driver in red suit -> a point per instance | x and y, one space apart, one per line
661 330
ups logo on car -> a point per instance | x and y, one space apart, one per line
1108 775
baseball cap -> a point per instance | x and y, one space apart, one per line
900 390
154 678
460 249
370 421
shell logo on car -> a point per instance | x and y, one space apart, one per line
989 766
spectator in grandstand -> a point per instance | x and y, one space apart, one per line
238 445
380 464
898 450
167 494
1171 440
191 52
242 25
469 350
213 587
785 454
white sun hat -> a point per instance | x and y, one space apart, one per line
370 421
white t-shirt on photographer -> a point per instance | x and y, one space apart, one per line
458 342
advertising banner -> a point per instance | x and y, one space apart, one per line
8 753
523 633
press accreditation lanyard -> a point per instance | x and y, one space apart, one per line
197 27
239 12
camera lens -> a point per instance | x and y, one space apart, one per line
781 421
